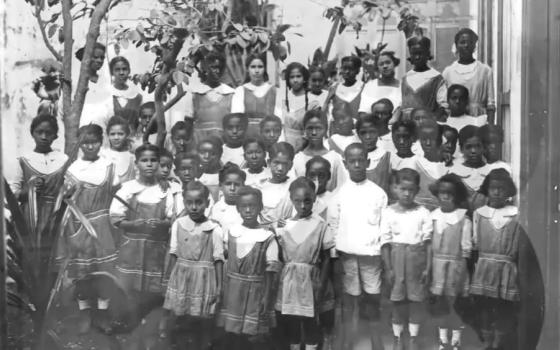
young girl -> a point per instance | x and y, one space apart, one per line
498 237
276 187
210 152
256 98
476 76
296 103
94 180
252 264
423 87
270 130
345 97
235 127
449 150
317 80
458 100
386 86
406 229
305 249
166 161
451 245
379 169
39 171
493 139
195 268
187 169
430 166
343 133
181 138
315 128
145 221
383 110
232 178
474 169
254 152
404 135
119 149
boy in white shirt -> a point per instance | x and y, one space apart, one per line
354 218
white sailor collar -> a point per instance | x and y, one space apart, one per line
246 234
188 224
491 213
450 218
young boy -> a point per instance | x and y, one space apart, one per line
346 96
343 133
354 218
271 130
449 150
235 126
379 170
458 100
383 110
404 135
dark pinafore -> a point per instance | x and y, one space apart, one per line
346 107
141 257
130 111
381 174
244 290
256 108
423 97
208 115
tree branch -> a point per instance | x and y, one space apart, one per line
42 26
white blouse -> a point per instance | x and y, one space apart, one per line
373 92
44 163
413 226
197 229
152 194
248 237
92 172
234 155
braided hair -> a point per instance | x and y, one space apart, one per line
305 73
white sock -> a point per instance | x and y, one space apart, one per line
83 304
413 329
456 337
398 330
103 304
443 336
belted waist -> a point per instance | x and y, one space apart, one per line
496 257
195 263
163 237
246 278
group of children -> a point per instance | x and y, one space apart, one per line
262 225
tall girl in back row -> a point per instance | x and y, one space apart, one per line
295 103
257 97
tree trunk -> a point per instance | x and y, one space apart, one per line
72 120
330 40
70 136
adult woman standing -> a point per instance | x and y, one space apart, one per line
385 86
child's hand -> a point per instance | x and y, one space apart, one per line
264 306
38 182
281 223
153 223
425 278
69 191
164 184
447 158
389 277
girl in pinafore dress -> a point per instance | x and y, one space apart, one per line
345 97
342 133
270 130
317 80
235 127
232 178
451 245
379 169
119 149
145 220
257 97
210 152
423 86
305 250
94 181
407 254
498 237
315 128
474 168
493 139
196 266
247 307
254 152
430 165
39 171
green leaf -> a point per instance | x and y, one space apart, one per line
52 29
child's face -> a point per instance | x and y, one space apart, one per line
165 165
449 144
386 66
280 166
97 59
315 130
120 72
316 82
446 196
402 139
230 186
356 163
348 71
369 134
117 137
344 125
43 135
429 139
420 116
146 115
271 132
418 56
296 80
188 170
493 148
457 103
320 175
406 191
473 150
382 111
255 156
497 194
234 132
209 156
249 208
180 140
465 46
214 70
147 164
256 71
195 204
303 199
90 147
